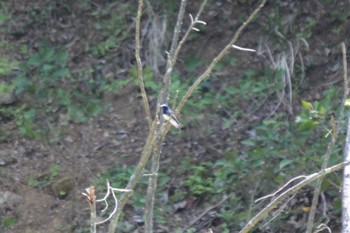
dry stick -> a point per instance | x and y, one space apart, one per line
218 58
139 64
283 196
91 197
346 173
152 181
335 132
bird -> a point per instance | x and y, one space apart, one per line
168 115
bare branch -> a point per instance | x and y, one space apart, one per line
280 189
175 40
243 49
346 173
139 64
283 196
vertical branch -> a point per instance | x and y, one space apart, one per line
139 64
346 173
171 61
174 43
93 214
152 187
335 132
91 197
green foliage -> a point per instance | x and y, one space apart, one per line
43 70
5 14
8 222
308 29
273 148
105 22
6 66
46 83
46 179
152 86
200 181
316 113
192 63
49 95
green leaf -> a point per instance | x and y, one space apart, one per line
306 105
3 17
63 72
347 103
47 68
22 83
8 222
284 163
28 131
248 142
307 125
6 66
34 60
61 57
47 53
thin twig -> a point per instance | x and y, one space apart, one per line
280 189
243 49
279 210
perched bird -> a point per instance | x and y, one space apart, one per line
168 115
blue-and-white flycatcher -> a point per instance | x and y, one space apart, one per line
168 115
